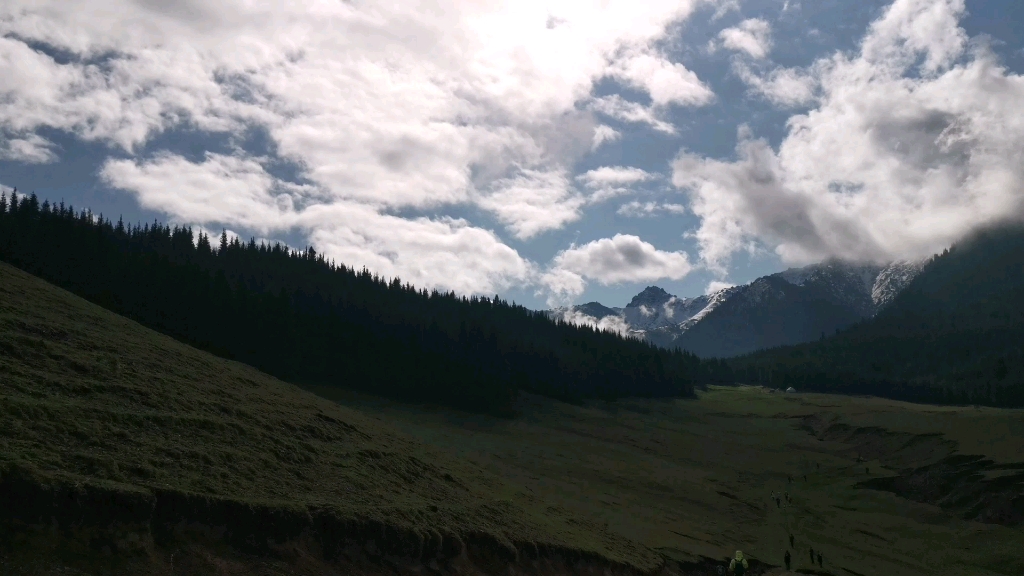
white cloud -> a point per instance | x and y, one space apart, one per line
614 324
717 285
637 209
220 189
913 28
604 134
444 253
622 258
724 8
609 181
380 106
617 107
897 161
753 36
29 148
666 82
784 87
533 201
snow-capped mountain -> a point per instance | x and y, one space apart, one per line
789 307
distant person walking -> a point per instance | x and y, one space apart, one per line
791 541
819 560
738 565
812 556
788 559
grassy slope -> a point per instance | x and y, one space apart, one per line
692 478
90 397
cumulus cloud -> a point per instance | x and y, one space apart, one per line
637 209
915 141
784 87
666 82
379 106
443 253
752 36
622 258
604 134
609 181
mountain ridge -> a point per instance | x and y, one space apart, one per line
788 307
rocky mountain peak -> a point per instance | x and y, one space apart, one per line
651 296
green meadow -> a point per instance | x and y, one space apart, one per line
693 478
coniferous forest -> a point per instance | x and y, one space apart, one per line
305 319
955 335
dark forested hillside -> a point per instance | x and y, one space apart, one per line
955 334
300 317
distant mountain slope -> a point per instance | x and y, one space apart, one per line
955 333
768 312
790 307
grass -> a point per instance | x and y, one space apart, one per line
693 479
93 401
88 397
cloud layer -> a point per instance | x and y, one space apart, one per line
379 107
489 108
915 141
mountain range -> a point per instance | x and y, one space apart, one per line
790 307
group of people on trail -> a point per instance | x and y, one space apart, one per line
738 565
779 497
812 558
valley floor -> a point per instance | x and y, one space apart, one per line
693 478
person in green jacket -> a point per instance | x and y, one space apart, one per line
739 565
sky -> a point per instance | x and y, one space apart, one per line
547 152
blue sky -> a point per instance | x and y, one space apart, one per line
548 152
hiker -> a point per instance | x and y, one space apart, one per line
789 478
819 560
787 558
739 565
812 556
778 502
791 541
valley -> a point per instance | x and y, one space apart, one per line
125 452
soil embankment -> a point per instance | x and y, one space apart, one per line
929 469
121 530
